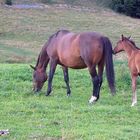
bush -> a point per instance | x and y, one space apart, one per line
8 2
46 1
128 7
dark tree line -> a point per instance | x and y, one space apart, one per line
128 7
8 2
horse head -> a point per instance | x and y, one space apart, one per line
120 44
39 78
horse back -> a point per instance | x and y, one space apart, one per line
69 51
77 50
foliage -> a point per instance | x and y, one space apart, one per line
8 2
47 1
103 3
128 7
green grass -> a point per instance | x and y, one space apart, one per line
35 116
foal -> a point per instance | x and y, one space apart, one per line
133 54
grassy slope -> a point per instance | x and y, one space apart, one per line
30 116
28 30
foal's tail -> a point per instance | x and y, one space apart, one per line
109 64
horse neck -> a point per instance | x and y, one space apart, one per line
129 48
43 60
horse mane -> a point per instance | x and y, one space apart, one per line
133 43
63 31
56 34
48 42
37 60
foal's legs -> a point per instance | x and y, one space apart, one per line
66 78
96 84
134 96
53 64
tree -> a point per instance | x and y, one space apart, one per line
8 2
128 7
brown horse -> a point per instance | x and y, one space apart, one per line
133 54
76 51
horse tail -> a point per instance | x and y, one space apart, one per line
109 64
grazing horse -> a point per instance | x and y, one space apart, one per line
133 54
77 51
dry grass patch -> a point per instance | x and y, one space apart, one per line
29 29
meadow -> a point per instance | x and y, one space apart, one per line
30 116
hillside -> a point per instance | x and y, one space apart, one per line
24 31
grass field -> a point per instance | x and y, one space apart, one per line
30 116
34 116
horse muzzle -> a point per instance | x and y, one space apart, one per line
36 89
113 52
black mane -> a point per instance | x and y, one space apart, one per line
56 34
132 42
63 31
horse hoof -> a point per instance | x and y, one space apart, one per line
47 94
68 95
133 104
92 99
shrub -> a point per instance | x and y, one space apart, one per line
8 2
128 7
46 1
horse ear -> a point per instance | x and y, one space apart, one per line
34 68
129 37
122 37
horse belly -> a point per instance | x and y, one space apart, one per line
73 62
69 52
134 65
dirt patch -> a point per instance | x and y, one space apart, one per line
26 6
57 6
76 8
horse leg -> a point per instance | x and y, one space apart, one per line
66 78
134 96
96 85
100 74
53 64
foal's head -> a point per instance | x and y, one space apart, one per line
39 78
121 44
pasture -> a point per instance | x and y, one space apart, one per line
35 116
